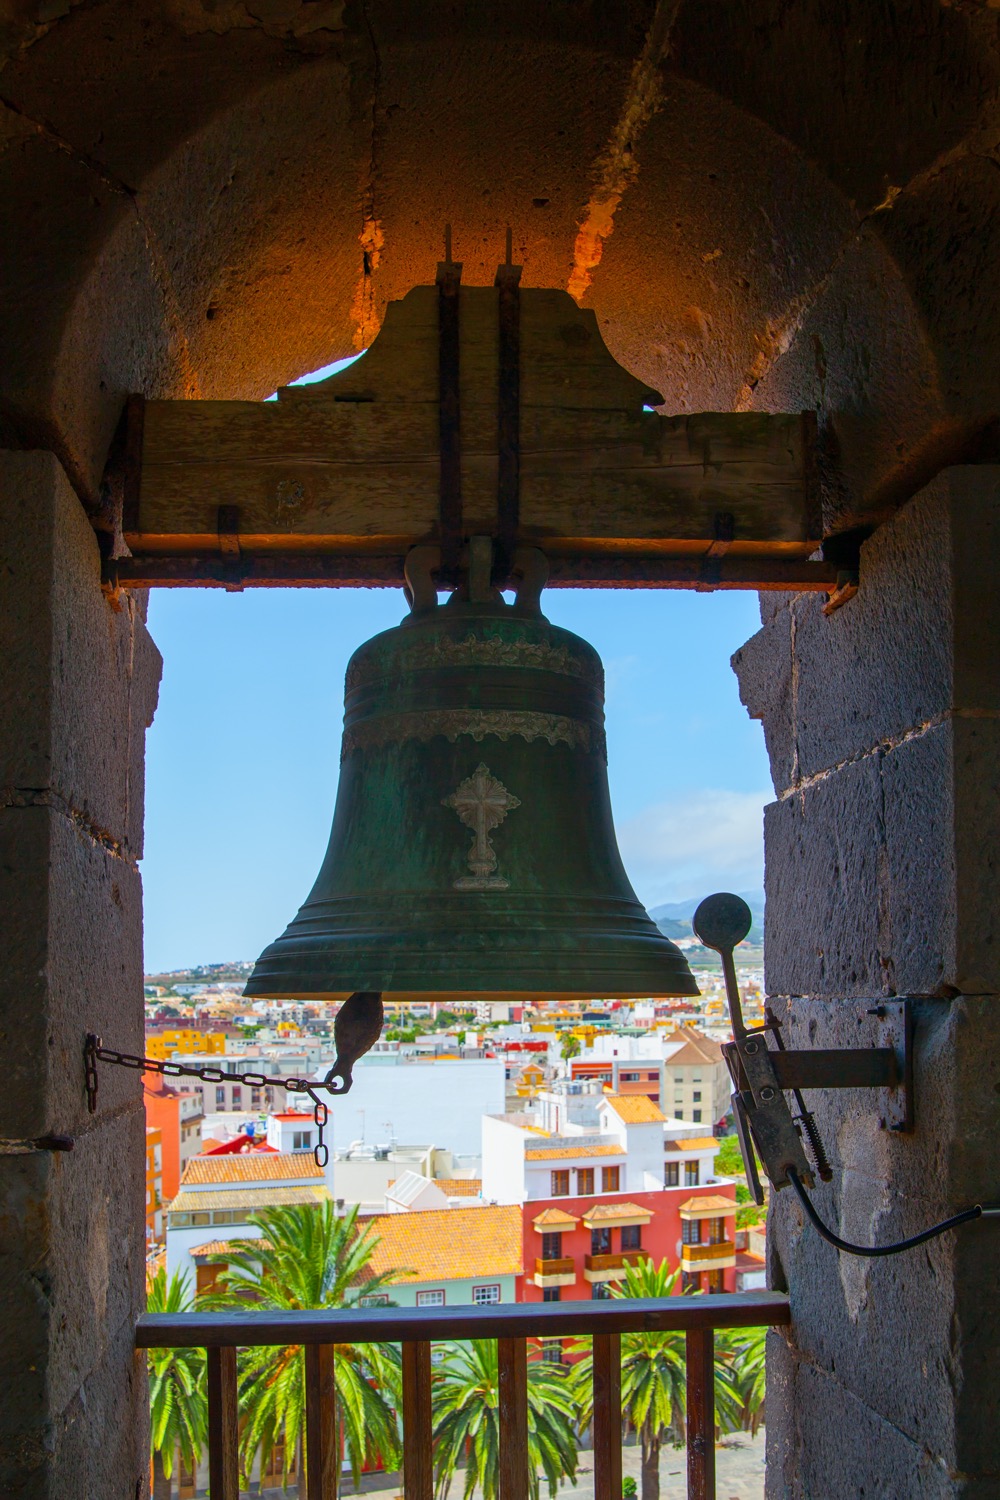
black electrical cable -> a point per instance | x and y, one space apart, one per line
965 1217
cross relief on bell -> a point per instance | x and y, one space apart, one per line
482 802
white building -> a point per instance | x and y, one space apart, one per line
218 1194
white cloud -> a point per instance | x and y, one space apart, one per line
699 842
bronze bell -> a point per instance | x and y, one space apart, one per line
473 852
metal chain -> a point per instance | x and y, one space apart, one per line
94 1053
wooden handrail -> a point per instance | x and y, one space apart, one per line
416 1329
395 1325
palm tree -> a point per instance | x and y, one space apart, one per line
569 1046
743 1350
654 1375
466 1405
308 1257
177 1404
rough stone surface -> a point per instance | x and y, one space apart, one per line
79 692
879 875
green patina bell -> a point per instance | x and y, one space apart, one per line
473 851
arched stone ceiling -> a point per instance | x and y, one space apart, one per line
766 204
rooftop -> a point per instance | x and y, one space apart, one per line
434 1245
694 1143
635 1109
555 1218
712 1203
549 1153
262 1166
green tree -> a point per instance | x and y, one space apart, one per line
308 1257
466 1406
743 1350
654 1375
569 1046
178 1408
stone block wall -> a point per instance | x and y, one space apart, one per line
882 727
77 692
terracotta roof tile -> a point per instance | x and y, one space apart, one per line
551 1152
616 1210
712 1203
459 1187
449 1244
252 1166
549 1218
635 1109
694 1143
223 1247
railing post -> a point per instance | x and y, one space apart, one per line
512 1360
223 1426
322 1447
418 1452
700 1344
607 1421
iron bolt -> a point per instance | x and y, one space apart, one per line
767 1094
750 1047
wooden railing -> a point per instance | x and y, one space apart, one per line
616 1261
221 1334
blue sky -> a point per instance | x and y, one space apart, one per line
242 757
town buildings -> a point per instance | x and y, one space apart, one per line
219 1193
683 1072
449 1257
154 1187
605 1180
177 1114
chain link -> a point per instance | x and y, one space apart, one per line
94 1053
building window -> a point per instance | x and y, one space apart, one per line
483 1296
696 1116
690 1281
585 1181
552 1350
678 1112
377 1299
201 1218
691 1177
237 1096
632 1237
551 1293
220 1096
628 1077
255 1098
302 1140
716 1231
691 1232
610 1179
600 1241
715 1282
696 1096
600 1291
430 1299
560 1184
671 1173
552 1246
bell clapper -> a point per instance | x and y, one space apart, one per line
356 1030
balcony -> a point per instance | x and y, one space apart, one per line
719 1257
610 1267
561 1272
416 1329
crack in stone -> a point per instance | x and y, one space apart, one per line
883 747
46 131
617 166
372 237
15 797
780 334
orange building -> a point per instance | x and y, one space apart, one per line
177 1115
154 1186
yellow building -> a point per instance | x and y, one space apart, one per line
164 1044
